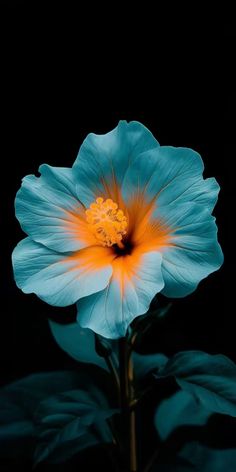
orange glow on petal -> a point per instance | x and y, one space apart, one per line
140 228
112 191
76 225
144 231
91 258
126 267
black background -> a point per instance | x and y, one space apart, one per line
65 73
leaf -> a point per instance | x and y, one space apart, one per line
181 409
44 407
70 422
78 342
18 402
210 378
25 394
18 436
206 459
196 457
144 364
103 346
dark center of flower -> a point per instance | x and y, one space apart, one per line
127 248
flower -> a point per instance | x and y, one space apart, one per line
130 219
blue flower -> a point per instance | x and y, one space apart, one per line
130 219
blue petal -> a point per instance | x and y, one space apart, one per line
104 157
48 209
110 311
171 175
56 278
194 251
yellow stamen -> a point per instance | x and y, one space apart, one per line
107 222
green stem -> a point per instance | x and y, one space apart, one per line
126 399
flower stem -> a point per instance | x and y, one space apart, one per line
126 399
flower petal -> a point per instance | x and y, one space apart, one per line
170 174
193 251
135 281
50 212
103 159
60 279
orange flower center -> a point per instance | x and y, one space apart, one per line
107 222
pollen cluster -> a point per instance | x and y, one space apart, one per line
107 222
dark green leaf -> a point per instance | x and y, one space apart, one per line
18 402
206 459
70 422
78 342
103 346
181 409
144 364
63 411
196 457
210 378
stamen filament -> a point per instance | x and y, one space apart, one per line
120 244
